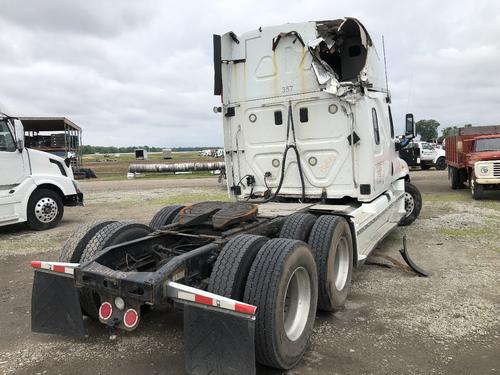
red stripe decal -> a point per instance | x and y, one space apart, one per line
246 309
57 268
204 300
36 264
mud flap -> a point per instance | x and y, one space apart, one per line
217 342
55 306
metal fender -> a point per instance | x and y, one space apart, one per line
406 256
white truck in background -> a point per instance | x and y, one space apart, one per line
431 156
34 186
424 155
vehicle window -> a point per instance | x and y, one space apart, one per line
487 144
6 139
390 122
376 131
426 146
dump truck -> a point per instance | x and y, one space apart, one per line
35 186
473 157
315 183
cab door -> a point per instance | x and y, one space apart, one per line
12 166
427 151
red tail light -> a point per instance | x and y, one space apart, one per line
105 311
130 318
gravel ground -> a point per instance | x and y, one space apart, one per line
394 321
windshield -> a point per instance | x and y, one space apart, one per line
487 144
6 139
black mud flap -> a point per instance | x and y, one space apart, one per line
218 343
55 306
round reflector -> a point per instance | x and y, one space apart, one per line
105 311
130 318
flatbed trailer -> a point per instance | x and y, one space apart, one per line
312 166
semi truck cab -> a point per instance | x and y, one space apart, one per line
34 186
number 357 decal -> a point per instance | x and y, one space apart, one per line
286 89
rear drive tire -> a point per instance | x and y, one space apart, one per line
297 226
283 284
112 234
165 216
441 164
454 178
45 209
332 246
72 249
413 204
230 272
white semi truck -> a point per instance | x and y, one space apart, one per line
34 186
316 184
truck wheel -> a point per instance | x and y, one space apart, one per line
230 272
476 189
454 178
297 226
441 164
413 204
283 284
45 209
111 234
72 249
165 216
331 242
425 166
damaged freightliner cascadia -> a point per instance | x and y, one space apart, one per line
315 184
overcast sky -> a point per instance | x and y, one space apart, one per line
140 72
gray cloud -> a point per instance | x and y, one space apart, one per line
140 72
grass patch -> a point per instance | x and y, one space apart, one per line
488 232
467 232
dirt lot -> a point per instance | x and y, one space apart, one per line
394 322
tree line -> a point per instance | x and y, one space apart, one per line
428 130
88 149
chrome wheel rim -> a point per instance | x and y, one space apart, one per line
409 204
341 264
297 303
46 210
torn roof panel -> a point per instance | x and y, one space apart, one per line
296 58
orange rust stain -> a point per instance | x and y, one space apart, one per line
301 70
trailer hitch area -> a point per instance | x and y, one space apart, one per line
218 332
55 305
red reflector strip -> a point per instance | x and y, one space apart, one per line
246 309
203 300
59 267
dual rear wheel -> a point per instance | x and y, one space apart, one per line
288 279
